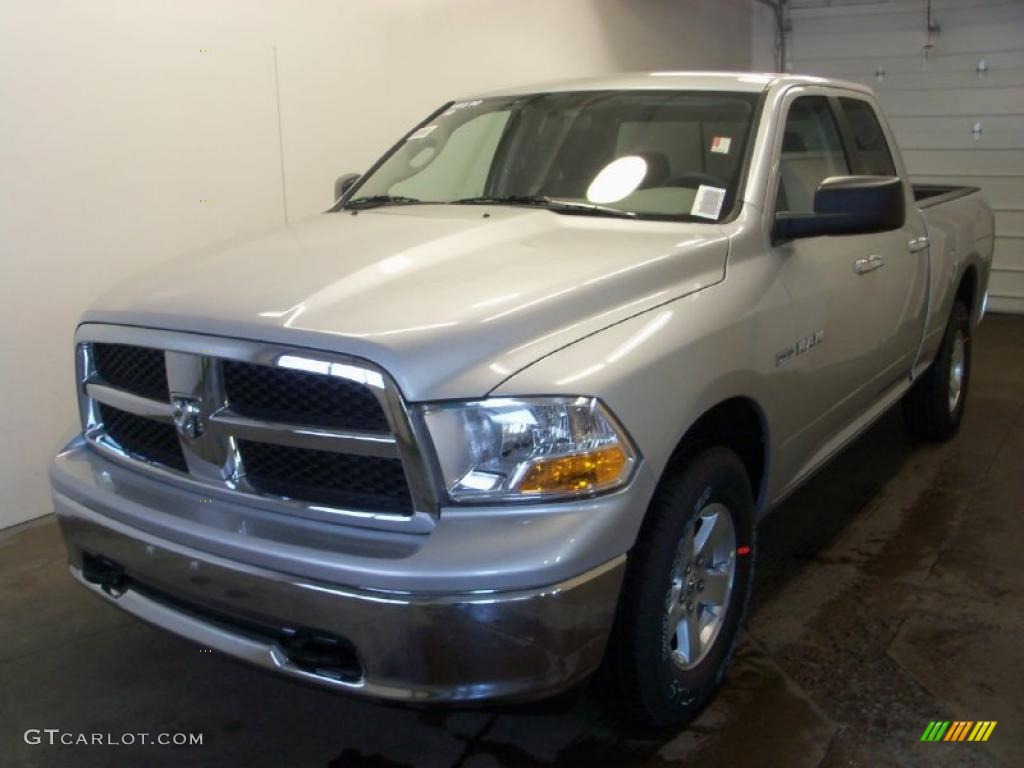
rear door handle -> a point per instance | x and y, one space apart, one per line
870 264
917 244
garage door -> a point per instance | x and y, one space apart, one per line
954 96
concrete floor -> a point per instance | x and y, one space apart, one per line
888 594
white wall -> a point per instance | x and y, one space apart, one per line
934 102
131 131
764 40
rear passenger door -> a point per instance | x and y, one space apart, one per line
899 288
832 361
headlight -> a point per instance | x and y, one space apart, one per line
522 449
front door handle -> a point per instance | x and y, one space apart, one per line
917 244
870 264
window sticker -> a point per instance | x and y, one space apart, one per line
708 202
422 133
461 105
721 145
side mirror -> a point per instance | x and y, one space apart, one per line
848 205
343 184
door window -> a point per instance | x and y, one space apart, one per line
811 152
868 140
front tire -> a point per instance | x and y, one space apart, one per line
934 406
685 591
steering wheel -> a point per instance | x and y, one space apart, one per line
694 180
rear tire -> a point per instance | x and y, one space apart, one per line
934 406
685 591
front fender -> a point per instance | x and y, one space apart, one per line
660 371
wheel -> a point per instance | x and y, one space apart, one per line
935 404
685 591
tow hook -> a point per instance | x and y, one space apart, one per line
108 574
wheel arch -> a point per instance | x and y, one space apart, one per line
967 290
738 423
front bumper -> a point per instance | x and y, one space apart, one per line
402 645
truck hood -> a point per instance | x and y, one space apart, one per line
450 300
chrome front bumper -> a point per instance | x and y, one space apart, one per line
508 644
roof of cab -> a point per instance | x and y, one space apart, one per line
752 82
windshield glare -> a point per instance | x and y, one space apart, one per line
653 154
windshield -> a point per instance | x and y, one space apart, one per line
649 154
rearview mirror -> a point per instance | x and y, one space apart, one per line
343 184
847 205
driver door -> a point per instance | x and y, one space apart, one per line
830 364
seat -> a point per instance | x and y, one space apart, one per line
793 142
802 171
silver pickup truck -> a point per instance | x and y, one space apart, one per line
513 407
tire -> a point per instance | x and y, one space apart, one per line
661 683
929 409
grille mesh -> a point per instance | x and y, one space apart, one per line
137 369
298 397
144 438
361 482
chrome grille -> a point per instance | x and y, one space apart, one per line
318 435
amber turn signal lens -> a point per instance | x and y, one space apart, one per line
575 473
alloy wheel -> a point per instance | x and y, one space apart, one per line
702 583
957 364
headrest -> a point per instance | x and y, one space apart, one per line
793 142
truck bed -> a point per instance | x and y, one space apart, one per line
928 195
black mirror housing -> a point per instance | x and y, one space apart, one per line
848 205
343 184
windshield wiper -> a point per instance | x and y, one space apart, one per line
500 200
374 201
550 203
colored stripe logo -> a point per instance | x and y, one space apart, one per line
958 730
